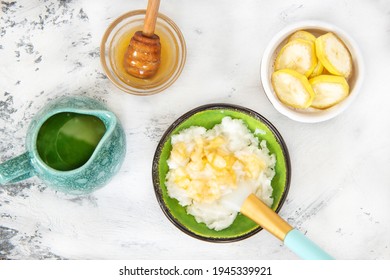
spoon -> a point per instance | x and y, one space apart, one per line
243 200
142 58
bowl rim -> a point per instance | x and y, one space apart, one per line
166 136
133 90
327 113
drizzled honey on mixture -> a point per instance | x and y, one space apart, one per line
209 167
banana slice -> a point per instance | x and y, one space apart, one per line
329 90
292 88
304 35
317 70
298 55
334 55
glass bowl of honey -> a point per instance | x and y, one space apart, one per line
114 47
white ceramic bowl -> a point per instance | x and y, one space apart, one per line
318 28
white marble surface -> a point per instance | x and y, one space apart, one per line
340 189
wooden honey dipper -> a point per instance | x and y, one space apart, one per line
142 58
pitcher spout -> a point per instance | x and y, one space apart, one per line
108 118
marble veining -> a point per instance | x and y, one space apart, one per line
340 181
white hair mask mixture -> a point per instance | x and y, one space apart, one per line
206 165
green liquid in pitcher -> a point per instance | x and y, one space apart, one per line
67 140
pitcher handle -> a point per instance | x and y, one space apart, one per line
16 169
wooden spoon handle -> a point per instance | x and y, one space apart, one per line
256 210
151 17
297 242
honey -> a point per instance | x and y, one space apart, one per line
115 43
169 54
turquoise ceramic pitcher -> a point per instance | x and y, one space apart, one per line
97 153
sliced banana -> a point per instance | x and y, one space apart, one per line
298 55
292 88
329 90
318 70
334 55
304 35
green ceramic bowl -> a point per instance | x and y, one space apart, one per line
208 116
